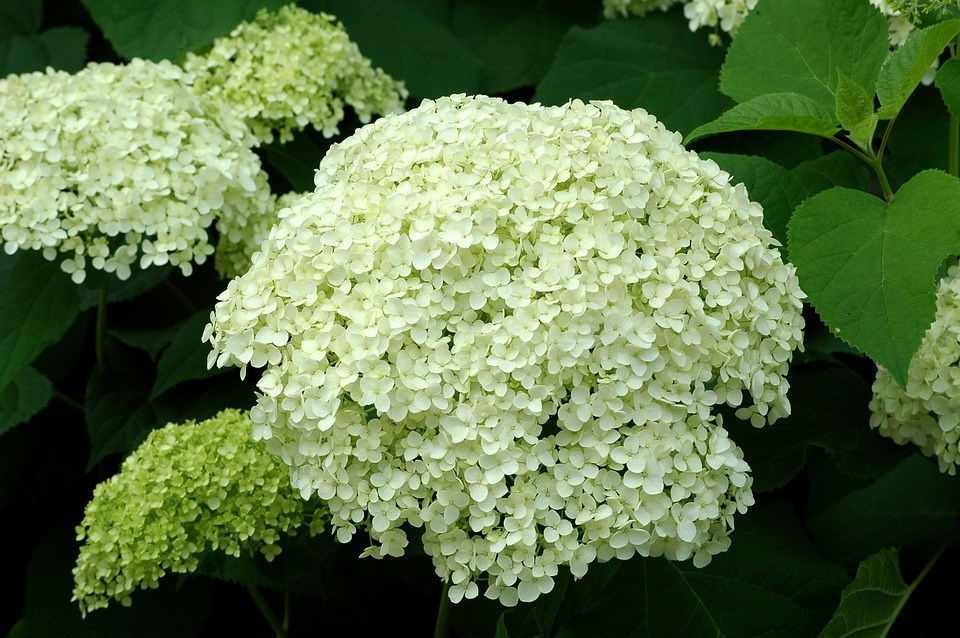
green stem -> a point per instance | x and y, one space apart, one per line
882 177
278 629
954 160
853 149
67 400
286 608
101 324
886 137
443 613
944 546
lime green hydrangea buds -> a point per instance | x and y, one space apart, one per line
291 68
188 488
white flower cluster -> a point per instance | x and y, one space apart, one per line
508 324
927 411
120 163
290 68
241 237
727 15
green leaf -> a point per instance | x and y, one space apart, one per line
829 411
186 358
870 267
771 569
118 410
948 81
296 160
906 66
412 40
28 394
168 29
871 603
773 112
919 139
63 48
654 63
771 185
167 612
516 40
799 46
855 110
150 340
37 307
912 506
20 17
838 168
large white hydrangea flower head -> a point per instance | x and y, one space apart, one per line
508 324
290 68
188 488
927 411
118 164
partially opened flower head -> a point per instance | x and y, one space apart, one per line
290 68
188 488
927 412
118 165
508 324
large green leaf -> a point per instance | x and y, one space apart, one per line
838 168
19 401
902 72
654 63
37 306
798 46
186 357
412 40
771 569
869 267
829 411
168 29
516 40
771 185
948 81
773 112
870 604
912 506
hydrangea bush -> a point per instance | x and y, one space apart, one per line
290 68
508 324
123 165
190 487
523 342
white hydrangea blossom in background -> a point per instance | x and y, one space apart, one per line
238 242
120 164
290 68
509 324
190 487
727 15
927 412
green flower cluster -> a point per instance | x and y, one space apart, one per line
290 68
189 487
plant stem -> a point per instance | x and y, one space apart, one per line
286 608
886 137
67 400
100 325
882 177
278 628
954 159
443 613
